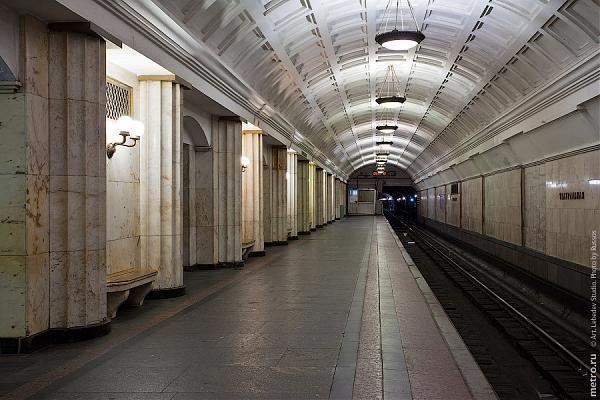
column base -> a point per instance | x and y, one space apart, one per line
338 218
53 336
304 233
292 237
313 229
319 226
166 293
212 267
260 253
277 243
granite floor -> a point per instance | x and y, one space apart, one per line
314 319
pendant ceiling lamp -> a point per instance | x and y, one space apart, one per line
386 127
403 38
390 94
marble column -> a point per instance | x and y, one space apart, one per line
77 118
338 197
219 195
312 194
52 172
292 192
319 197
252 192
267 150
161 227
330 198
303 197
278 198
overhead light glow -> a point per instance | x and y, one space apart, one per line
399 40
594 181
387 128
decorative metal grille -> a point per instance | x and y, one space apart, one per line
118 100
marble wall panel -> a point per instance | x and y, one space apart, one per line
77 179
452 206
431 206
267 194
472 203
569 223
502 206
534 207
312 195
279 231
292 192
161 182
303 196
24 202
189 205
423 201
252 191
319 197
440 204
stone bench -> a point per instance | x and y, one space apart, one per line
128 287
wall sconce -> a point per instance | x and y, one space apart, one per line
245 163
127 128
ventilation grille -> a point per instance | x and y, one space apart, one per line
118 100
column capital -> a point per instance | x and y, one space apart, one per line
252 132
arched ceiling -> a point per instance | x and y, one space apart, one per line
318 64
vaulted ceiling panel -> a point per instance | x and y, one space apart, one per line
318 64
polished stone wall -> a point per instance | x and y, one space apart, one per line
188 210
205 218
267 151
279 226
452 206
292 193
52 171
431 206
570 223
252 191
534 207
319 182
312 195
440 203
502 206
303 196
161 228
78 230
472 203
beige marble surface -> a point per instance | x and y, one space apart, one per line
440 204
279 227
502 206
252 191
292 193
452 206
472 203
303 196
431 206
569 223
160 149
312 195
534 207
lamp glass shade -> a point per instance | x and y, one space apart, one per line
391 101
137 129
396 40
387 128
244 161
124 124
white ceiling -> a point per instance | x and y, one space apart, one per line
318 64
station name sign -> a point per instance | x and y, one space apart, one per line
571 195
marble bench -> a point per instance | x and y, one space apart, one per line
128 287
246 248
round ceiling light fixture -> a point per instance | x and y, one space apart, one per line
391 101
387 128
399 39
389 96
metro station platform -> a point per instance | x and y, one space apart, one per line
341 313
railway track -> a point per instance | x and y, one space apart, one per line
559 358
